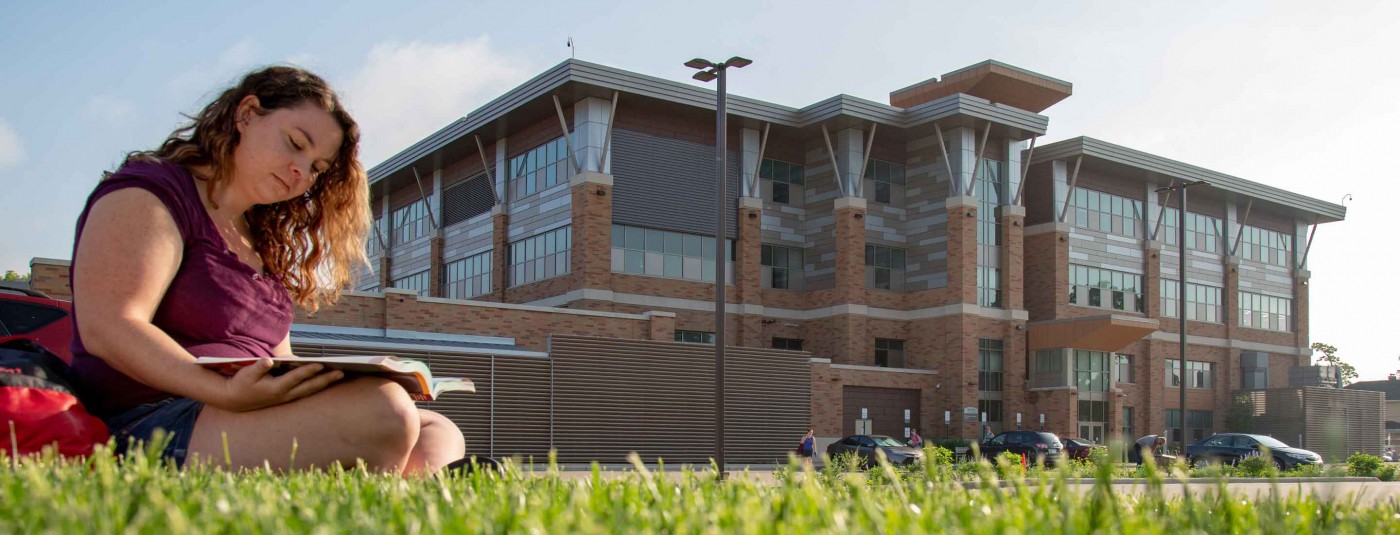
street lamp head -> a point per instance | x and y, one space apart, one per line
698 63
738 62
705 76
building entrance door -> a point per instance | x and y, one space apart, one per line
1091 431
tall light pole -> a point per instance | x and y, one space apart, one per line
1181 298
711 71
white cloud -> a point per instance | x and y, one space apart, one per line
112 111
407 91
11 150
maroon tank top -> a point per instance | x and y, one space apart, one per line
216 305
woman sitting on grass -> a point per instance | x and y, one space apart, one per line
201 248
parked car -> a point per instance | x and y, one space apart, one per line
1031 444
1079 448
1231 448
864 446
31 314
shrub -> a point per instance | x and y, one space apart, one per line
1386 473
938 455
1306 470
1009 465
1258 466
1334 470
1363 465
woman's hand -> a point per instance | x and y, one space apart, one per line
253 387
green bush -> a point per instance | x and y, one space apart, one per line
1306 470
1386 473
1363 464
938 456
1258 466
1009 465
1334 470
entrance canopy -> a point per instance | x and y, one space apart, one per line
1109 332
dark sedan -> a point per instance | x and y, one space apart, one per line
1231 448
864 446
1029 444
1079 449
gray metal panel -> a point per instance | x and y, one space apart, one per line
544 210
668 184
1134 158
968 105
410 258
462 240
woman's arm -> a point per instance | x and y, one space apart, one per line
129 253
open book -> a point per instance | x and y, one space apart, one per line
412 374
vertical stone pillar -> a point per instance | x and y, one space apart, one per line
591 253
500 253
962 249
1300 311
1152 278
749 270
849 329
435 265
1047 271
1230 301
850 155
661 326
1013 280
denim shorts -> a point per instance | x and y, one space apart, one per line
139 424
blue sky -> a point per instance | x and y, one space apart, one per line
1297 95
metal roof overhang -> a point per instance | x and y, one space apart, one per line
1155 169
573 80
1109 332
390 341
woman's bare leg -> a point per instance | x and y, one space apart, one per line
364 418
439 442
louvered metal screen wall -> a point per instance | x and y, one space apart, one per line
1332 422
613 396
657 398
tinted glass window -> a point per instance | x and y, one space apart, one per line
999 439
1046 438
849 441
21 318
1220 441
865 441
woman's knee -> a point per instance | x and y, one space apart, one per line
382 412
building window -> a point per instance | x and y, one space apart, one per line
889 353
1106 213
1266 312
540 257
1203 232
790 344
1093 411
1091 371
1125 368
1049 369
782 267
886 181
1267 246
538 169
1105 288
1198 425
1198 374
784 180
410 222
373 246
989 235
989 369
660 253
372 288
1129 432
992 408
695 337
1203 303
468 277
418 282
884 267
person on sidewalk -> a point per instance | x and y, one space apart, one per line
1151 445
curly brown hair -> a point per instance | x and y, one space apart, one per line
311 242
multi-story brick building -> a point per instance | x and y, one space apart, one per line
939 267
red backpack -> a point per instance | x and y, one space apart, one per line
39 406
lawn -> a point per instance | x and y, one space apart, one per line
140 495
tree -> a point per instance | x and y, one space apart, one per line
1329 357
11 275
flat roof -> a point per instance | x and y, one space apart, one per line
582 78
1169 169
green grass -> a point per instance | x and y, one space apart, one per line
138 494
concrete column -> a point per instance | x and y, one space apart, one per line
1013 170
963 152
591 117
962 249
1013 220
591 254
750 140
850 156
